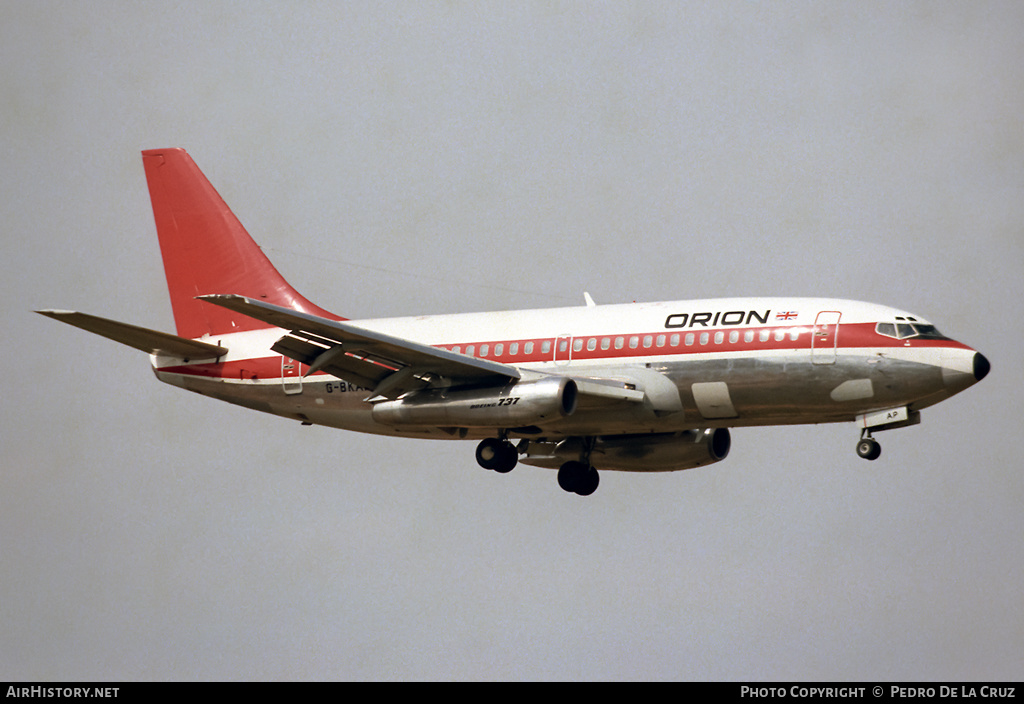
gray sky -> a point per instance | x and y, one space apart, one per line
411 158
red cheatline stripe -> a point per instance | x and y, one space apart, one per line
852 336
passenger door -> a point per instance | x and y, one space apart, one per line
825 337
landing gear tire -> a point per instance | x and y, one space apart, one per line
869 449
508 457
499 455
578 478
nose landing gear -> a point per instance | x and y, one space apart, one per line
887 419
868 447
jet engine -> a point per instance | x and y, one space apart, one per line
662 452
520 404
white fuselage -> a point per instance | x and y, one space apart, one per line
723 362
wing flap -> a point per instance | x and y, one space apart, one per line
334 360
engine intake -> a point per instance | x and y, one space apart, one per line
523 403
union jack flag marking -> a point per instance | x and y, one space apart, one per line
786 315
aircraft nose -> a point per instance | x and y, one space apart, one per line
962 367
981 366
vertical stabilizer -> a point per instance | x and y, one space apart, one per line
207 251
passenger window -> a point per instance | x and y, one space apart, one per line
620 342
748 336
719 336
484 349
498 349
606 342
577 344
545 347
456 349
513 349
470 350
704 338
528 347
634 342
591 344
763 336
674 340
689 339
660 341
780 335
734 336
648 340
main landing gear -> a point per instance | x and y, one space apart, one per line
576 477
868 447
497 454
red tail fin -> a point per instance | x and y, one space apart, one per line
206 250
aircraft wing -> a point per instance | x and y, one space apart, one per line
391 366
388 365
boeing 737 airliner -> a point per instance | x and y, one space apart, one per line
643 387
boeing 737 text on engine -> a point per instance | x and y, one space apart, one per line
642 387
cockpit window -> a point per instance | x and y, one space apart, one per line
906 327
904 330
928 332
887 329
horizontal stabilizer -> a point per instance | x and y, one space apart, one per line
144 339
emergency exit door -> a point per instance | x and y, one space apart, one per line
291 375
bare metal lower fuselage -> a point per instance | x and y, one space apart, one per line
779 389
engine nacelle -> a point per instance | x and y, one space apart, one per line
665 452
521 404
